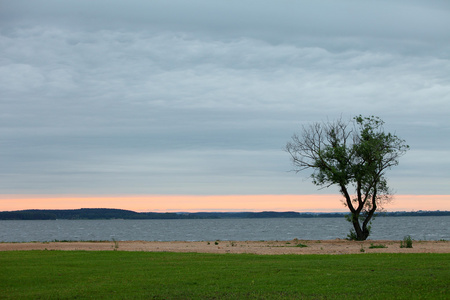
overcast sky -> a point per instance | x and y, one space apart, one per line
200 97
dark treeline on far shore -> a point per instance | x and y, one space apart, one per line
106 213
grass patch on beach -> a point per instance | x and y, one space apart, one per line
149 275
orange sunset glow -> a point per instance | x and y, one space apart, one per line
189 203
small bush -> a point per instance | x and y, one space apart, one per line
352 236
116 244
372 246
407 242
301 245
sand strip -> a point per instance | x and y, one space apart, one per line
337 246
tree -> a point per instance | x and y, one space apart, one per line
352 155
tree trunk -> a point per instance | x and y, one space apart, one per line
369 216
362 232
361 235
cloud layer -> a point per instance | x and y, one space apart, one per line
165 97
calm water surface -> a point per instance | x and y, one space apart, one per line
390 228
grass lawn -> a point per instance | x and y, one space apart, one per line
148 275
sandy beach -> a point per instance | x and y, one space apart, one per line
338 246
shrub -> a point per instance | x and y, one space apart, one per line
352 235
407 242
116 244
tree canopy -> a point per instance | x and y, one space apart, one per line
352 155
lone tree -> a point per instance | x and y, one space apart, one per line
352 155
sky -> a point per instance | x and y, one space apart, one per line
187 105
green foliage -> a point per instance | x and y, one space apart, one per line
407 242
372 246
145 275
356 156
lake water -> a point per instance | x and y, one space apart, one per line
389 228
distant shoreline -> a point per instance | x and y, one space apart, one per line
108 213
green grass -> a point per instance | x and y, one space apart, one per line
147 275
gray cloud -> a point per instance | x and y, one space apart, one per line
164 97
382 19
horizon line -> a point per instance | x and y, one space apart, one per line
230 212
204 203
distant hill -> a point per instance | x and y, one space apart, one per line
108 213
